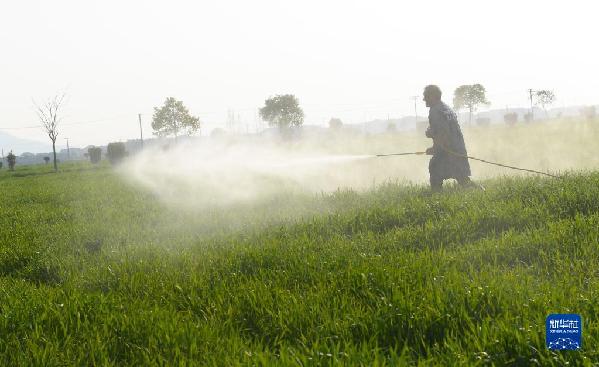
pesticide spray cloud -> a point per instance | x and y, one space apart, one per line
229 170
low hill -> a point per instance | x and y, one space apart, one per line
18 145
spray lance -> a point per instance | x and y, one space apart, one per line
393 154
473 158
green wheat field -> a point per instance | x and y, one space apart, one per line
94 271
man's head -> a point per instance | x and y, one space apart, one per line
432 95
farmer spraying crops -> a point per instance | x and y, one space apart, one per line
450 158
449 150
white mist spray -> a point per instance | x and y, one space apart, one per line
229 170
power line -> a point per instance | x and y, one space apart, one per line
351 107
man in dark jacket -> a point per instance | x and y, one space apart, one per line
448 150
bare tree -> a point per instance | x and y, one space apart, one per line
49 114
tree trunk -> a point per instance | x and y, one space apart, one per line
175 124
470 116
54 152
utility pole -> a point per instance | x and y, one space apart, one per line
141 132
230 123
532 113
255 123
68 149
415 98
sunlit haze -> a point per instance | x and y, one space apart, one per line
354 60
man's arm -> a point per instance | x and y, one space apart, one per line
439 131
428 132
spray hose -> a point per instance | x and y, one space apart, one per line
476 159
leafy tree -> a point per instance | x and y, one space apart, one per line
46 159
528 117
391 128
483 121
470 97
12 160
116 152
510 118
335 123
282 111
544 98
49 114
589 112
95 154
173 118
218 132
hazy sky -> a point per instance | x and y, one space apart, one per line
357 60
